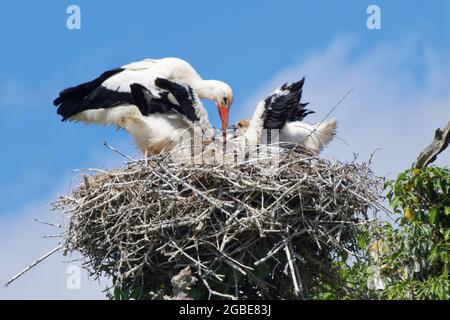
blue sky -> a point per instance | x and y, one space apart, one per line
399 74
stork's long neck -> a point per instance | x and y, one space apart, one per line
204 88
203 122
256 126
200 110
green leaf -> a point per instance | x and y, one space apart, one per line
363 240
395 203
432 216
447 234
447 211
438 185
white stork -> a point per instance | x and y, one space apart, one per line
166 118
159 120
110 97
283 110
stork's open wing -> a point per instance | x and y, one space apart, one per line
284 106
297 111
184 95
112 88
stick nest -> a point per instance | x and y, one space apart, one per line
244 231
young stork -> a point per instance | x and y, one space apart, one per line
283 110
108 98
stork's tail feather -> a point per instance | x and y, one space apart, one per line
322 135
65 108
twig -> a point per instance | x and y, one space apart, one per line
117 151
297 286
45 256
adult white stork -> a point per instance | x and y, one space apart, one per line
166 118
108 98
283 110
161 119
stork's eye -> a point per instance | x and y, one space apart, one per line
224 100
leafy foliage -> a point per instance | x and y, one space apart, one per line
409 259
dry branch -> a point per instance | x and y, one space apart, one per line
439 144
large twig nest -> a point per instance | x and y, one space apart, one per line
244 231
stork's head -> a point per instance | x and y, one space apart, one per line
242 126
222 94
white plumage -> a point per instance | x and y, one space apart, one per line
283 111
163 132
313 137
130 98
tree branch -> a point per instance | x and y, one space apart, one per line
440 142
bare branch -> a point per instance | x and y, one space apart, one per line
21 273
439 144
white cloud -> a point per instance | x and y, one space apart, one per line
390 107
22 242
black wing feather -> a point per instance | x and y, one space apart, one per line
143 99
183 95
285 108
278 110
90 95
298 112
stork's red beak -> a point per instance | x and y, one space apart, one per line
223 112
